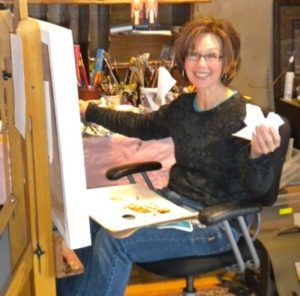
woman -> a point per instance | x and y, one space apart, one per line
211 166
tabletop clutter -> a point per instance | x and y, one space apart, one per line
143 85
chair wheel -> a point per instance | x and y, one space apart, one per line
238 287
242 291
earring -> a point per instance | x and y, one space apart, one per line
183 74
224 77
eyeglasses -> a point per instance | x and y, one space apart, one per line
209 57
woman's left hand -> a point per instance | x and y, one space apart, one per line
264 140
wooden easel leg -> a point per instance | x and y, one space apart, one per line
36 156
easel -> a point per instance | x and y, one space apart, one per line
26 212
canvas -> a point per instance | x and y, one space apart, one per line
65 148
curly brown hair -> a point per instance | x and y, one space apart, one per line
230 39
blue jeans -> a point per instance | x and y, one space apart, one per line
109 261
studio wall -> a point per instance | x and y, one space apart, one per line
253 20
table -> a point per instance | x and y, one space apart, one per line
102 153
291 110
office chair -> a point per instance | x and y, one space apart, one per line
247 257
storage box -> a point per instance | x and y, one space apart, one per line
282 214
291 168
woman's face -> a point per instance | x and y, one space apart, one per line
203 64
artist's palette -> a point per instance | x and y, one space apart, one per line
126 207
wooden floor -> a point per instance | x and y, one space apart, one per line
143 283
171 288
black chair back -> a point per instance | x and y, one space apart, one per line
278 158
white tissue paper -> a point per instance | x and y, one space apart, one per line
255 117
164 84
156 97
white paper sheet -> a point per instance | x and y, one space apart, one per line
255 117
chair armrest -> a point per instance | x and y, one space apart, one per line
227 211
118 172
221 213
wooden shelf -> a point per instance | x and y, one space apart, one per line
90 2
123 46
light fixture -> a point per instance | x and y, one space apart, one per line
151 11
136 12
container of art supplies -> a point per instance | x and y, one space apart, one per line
113 100
288 85
89 93
148 98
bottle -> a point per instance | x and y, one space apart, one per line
288 86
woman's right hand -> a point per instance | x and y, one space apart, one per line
82 108
264 140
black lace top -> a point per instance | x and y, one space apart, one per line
211 164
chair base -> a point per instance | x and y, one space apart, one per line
184 293
189 289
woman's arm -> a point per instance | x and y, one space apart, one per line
144 126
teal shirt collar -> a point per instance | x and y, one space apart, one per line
197 109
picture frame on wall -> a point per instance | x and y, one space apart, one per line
286 57
286 43
296 38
